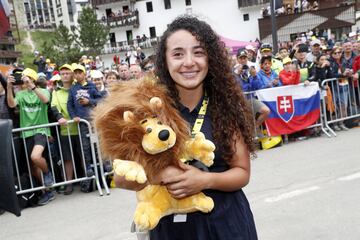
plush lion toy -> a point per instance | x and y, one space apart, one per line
139 127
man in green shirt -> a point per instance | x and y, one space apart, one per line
32 102
69 137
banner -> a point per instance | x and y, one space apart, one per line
292 108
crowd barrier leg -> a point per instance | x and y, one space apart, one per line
101 165
93 140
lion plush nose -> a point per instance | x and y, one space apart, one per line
164 135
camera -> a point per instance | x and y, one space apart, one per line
17 74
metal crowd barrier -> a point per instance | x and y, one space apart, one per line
345 99
54 164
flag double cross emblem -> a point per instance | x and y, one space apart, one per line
285 107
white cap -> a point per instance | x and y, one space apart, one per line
352 34
96 74
315 41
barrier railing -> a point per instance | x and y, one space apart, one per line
56 163
346 102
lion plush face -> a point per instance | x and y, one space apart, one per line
158 137
138 122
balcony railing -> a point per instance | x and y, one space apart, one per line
9 54
102 2
249 3
126 45
132 19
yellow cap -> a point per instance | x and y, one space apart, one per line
30 73
66 66
47 60
286 60
79 67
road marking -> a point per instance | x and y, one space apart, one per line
350 177
291 194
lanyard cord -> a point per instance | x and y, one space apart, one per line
201 116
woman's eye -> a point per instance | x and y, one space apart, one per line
177 54
160 123
199 53
148 130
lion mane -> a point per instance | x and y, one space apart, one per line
122 140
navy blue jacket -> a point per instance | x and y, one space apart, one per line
77 91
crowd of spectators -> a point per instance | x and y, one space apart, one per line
304 60
298 6
60 94
69 92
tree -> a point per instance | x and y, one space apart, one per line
92 34
63 47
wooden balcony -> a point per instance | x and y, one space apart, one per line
9 54
323 19
132 19
125 46
102 2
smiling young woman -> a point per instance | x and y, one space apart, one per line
192 62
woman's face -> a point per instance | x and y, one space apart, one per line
187 60
336 54
322 60
111 79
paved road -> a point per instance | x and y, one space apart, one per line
304 190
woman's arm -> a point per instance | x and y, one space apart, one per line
192 180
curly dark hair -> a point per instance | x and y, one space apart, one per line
229 109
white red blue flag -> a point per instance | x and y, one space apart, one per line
292 108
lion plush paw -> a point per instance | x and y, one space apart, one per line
205 204
146 216
132 171
201 149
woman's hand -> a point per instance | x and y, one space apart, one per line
191 181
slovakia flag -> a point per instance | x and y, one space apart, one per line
293 108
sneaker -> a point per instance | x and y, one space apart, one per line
45 198
336 128
68 189
85 186
48 179
89 171
61 189
343 127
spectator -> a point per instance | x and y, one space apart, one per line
135 72
341 88
140 55
242 71
83 96
283 53
98 79
315 50
131 56
322 69
297 6
99 64
59 110
111 78
307 70
49 68
315 6
251 51
124 72
290 75
266 50
148 65
40 63
32 102
266 77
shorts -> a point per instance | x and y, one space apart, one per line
66 150
256 105
37 139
